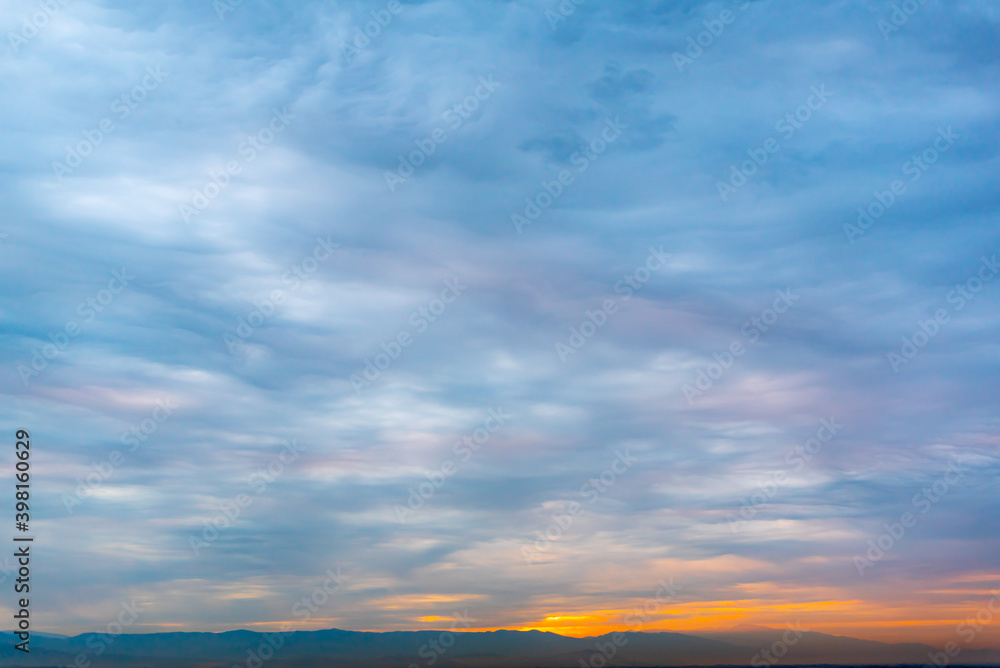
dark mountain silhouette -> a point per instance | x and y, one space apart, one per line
442 649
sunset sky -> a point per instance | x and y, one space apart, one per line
510 311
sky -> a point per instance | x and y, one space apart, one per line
511 311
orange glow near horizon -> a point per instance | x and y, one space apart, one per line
929 617
855 618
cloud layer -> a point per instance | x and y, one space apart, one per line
287 270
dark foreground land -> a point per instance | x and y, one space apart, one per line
446 649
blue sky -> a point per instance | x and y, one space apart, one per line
235 171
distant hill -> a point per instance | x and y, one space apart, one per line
517 649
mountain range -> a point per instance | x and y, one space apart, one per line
334 648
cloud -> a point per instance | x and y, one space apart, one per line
323 177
